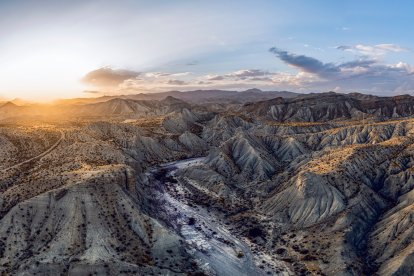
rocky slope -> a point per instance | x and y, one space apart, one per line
316 185
330 106
348 182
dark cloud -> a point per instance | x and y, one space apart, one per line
305 63
261 79
246 74
177 82
344 47
204 82
108 77
216 78
358 63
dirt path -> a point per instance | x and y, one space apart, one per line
62 136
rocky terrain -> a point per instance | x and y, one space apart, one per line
318 184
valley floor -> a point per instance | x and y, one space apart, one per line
219 252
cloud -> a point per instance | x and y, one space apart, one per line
305 63
161 81
358 63
248 73
391 48
240 75
215 77
266 79
92 92
204 82
405 66
176 82
381 79
108 77
366 74
192 63
378 50
344 48
165 74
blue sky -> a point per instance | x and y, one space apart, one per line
55 49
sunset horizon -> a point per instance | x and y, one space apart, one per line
89 48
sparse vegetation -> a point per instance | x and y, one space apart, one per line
283 195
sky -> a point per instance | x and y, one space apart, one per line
66 49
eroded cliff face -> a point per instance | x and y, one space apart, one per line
330 193
321 196
330 106
81 208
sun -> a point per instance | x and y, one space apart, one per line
44 68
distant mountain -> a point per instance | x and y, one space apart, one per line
196 96
21 102
317 107
9 107
125 108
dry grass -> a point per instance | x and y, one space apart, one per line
150 122
332 159
296 124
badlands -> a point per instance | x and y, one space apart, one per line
208 183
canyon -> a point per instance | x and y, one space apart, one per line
284 184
